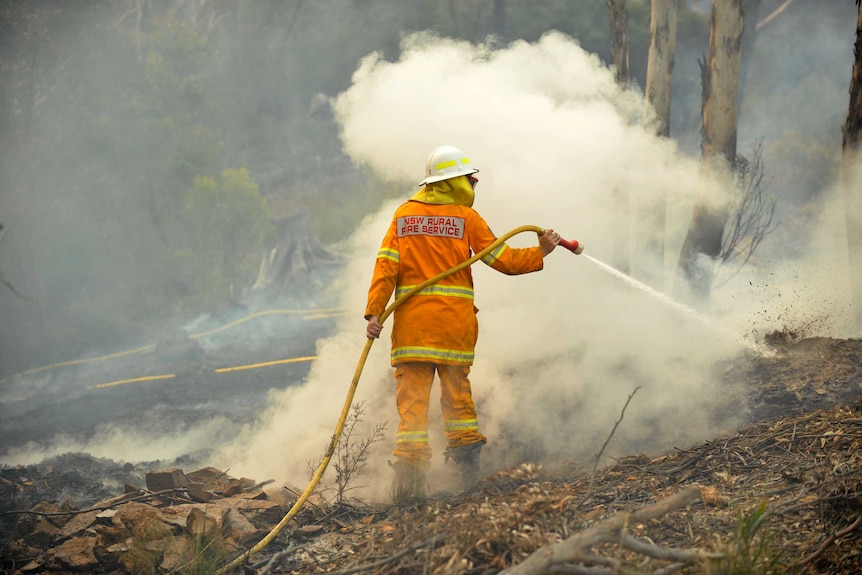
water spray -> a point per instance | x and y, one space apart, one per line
754 347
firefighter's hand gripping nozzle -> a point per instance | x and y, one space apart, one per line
573 246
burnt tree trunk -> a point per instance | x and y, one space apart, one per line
852 173
662 47
619 21
652 216
720 74
619 25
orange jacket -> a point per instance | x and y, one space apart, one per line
438 324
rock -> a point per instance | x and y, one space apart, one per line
204 524
134 515
239 530
218 482
116 500
134 532
41 533
77 554
177 555
236 486
267 511
106 516
75 525
198 492
165 479
205 475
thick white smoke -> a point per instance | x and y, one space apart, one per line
559 145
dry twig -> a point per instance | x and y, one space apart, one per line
832 538
119 501
605 444
576 547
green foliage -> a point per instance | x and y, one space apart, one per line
174 68
753 550
366 193
176 111
207 554
224 226
145 550
153 544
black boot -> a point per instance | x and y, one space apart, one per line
467 458
409 484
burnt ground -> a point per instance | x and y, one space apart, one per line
70 400
782 494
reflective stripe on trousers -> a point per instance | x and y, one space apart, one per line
413 382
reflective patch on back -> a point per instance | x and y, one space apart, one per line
437 226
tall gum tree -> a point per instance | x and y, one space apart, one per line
720 74
662 48
852 174
618 19
659 75
619 23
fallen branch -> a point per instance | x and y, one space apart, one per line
257 486
576 548
100 508
831 539
772 16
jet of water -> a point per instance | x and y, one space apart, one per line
694 314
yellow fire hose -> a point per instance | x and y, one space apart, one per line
348 402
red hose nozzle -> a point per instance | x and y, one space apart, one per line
573 246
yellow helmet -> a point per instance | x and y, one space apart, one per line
446 162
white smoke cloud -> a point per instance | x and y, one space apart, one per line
559 145
133 443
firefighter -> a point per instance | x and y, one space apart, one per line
436 329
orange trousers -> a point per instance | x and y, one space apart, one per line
412 394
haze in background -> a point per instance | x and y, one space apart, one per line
559 145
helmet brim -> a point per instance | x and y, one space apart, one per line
432 179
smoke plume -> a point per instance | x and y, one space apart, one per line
559 145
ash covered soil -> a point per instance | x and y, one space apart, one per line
781 494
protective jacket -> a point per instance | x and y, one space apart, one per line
434 231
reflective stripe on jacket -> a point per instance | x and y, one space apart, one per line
438 324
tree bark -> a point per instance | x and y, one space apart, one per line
619 21
721 105
652 217
619 26
852 174
661 60
720 75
